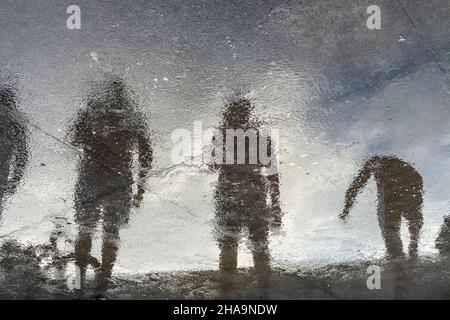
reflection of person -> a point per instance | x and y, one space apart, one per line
110 130
241 198
13 144
399 195
443 239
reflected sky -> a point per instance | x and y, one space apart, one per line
338 92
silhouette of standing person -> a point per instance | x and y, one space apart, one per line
400 191
13 144
110 130
241 196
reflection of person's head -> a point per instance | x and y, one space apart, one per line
237 112
110 95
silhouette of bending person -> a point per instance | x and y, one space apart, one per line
241 196
443 239
399 188
110 130
13 144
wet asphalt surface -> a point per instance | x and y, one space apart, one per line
92 203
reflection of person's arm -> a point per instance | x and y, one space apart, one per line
79 129
213 163
274 189
273 180
145 157
274 193
20 153
145 154
356 186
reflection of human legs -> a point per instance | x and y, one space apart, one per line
415 225
258 234
87 215
109 253
258 230
228 226
228 235
116 213
83 247
390 222
229 231
228 245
